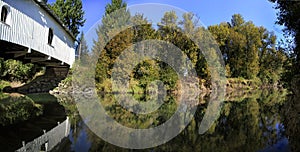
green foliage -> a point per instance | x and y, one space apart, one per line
169 77
135 88
249 51
272 59
237 20
70 12
170 20
119 42
104 86
16 109
239 43
146 72
115 5
288 16
13 70
3 84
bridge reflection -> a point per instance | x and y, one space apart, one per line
49 139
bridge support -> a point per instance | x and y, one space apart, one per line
43 83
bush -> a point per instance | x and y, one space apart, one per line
106 86
13 70
3 84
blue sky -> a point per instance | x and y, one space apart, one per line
211 12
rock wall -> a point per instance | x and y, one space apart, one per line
44 83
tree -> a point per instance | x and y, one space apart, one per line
83 51
289 16
249 51
115 5
170 19
188 29
245 43
237 20
169 31
143 29
110 31
271 59
238 43
70 12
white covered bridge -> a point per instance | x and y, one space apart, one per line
30 32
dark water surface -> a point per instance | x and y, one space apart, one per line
252 121
23 120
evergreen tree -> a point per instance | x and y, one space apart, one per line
170 19
83 51
112 31
70 12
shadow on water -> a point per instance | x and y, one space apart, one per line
24 118
253 121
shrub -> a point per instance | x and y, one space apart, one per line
13 70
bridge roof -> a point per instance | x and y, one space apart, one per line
52 14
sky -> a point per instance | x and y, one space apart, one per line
210 12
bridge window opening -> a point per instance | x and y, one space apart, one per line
4 14
50 36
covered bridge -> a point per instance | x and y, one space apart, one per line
31 32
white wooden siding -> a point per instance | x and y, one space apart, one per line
29 26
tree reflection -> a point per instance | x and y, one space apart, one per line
247 122
17 108
291 121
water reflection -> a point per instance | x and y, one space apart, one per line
24 118
16 108
249 121
291 121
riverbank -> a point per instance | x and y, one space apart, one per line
233 86
65 87
42 82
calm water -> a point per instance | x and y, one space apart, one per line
22 119
253 121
